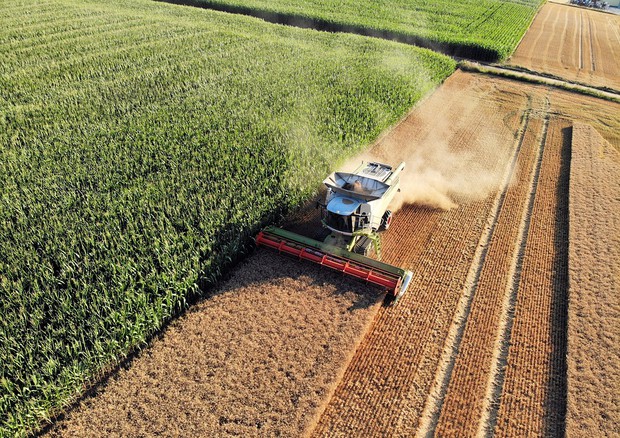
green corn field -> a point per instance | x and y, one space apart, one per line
487 30
141 146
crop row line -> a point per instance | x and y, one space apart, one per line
581 41
115 54
592 55
50 25
500 352
95 32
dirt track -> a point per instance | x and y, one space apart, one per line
576 44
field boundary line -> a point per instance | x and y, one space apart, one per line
616 32
454 49
497 374
434 402
538 10
549 40
534 77
566 38
592 57
581 40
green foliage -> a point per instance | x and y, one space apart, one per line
486 30
141 144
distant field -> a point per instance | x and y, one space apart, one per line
577 44
481 29
140 145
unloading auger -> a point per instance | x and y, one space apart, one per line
354 212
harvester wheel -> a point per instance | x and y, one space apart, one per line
386 220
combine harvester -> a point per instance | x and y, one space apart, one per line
355 210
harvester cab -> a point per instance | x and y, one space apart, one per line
355 210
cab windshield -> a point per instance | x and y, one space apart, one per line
346 224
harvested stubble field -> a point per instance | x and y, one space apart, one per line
469 348
256 359
481 338
576 44
594 299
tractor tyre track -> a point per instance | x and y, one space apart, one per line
591 38
465 394
430 415
581 41
533 398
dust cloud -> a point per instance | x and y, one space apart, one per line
444 166
438 177
455 151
